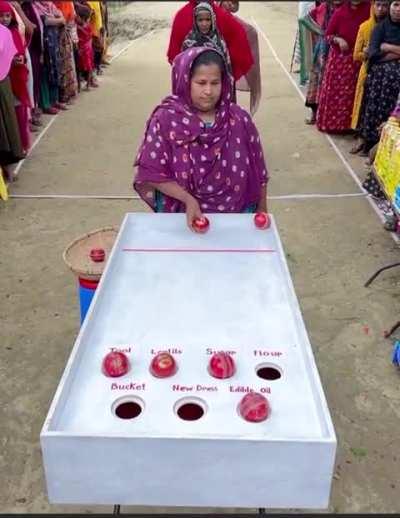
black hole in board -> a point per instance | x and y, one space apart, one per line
128 410
268 373
190 412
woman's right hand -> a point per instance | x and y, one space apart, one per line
192 211
342 43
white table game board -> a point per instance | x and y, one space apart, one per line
166 288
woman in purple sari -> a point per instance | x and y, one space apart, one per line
201 153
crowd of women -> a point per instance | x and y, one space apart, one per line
350 66
48 50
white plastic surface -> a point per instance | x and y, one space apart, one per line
166 288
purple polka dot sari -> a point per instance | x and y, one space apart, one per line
222 166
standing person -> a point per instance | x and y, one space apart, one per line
317 22
96 24
205 33
341 73
68 39
229 28
106 33
303 45
10 141
18 75
52 20
85 48
383 81
250 82
379 11
27 29
201 152
36 50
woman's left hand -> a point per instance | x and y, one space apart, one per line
262 206
193 211
262 203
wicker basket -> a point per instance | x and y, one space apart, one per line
77 254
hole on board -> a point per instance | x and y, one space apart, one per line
268 371
128 407
190 409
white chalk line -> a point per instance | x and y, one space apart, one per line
348 167
129 45
35 143
135 197
18 167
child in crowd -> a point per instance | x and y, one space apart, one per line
85 49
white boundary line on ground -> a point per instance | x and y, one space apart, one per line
348 167
35 143
129 45
135 197
54 117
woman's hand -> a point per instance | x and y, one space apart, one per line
262 206
192 211
19 60
385 47
342 43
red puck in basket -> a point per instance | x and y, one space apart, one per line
97 255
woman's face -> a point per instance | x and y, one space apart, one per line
381 9
395 11
5 19
203 20
206 87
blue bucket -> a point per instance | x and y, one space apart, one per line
87 290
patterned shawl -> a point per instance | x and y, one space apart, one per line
221 166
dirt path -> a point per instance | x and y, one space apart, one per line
333 245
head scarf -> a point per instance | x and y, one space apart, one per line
46 8
346 21
7 51
213 39
222 166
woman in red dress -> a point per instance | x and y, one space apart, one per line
228 27
340 79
